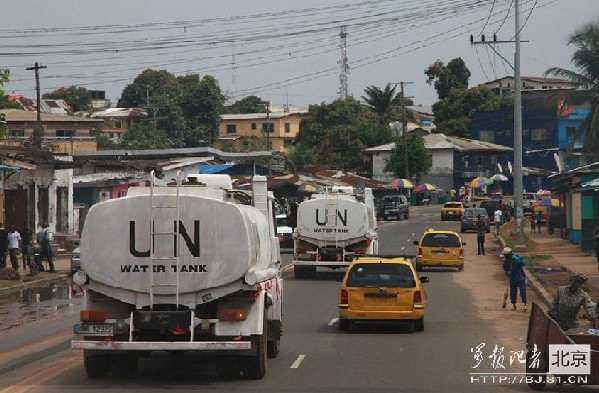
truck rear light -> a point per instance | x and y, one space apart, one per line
344 298
92 316
318 257
420 251
300 250
339 259
231 315
417 297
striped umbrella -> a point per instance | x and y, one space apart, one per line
481 181
499 177
424 186
402 183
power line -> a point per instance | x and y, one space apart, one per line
488 18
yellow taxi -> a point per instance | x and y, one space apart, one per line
440 249
382 289
452 211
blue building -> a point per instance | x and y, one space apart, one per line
568 121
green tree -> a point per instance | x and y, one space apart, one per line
452 114
249 104
380 101
79 98
103 141
586 59
143 136
454 75
419 160
38 135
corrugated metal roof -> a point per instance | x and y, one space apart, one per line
262 116
18 115
442 141
121 113
104 176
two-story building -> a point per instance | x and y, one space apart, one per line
505 85
117 121
569 119
63 134
244 132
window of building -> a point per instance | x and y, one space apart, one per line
570 132
16 133
287 142
508 132
287 128
538 134
122 193
270 127
231 128
253 126
117 124
65 133
486 135
499 133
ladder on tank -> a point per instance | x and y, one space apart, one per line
331 208
154 208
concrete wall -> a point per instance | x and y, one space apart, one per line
378 165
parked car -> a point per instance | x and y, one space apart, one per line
452 211
284 231
382 289
470 219
395 207
440 249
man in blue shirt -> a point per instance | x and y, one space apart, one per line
513 266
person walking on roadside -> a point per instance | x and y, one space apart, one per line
568 300
43 239
14 240
596 243
539 215
497 219
480 238
3 245
26 236
513 266
533 224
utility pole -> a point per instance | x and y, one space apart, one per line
404 127
37 67
154 110
268 138
343 76
517 173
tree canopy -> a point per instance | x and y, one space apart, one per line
419 160
586 60
187 109
335 134
249 104
79 98
454 75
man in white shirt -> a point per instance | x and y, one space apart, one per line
497 218
14 240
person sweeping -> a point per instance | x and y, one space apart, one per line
513 266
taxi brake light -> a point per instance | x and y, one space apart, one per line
419 250
461 251
92 316
231 315
417 297
344 299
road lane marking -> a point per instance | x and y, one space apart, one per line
333 321
43 376
403 247
298 361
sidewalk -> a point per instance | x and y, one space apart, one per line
62 265
563 260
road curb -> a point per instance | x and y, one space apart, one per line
32 283
532 280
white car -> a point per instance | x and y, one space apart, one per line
284 231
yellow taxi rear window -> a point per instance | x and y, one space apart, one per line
440 240
453 205
381 275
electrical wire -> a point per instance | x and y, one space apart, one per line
488 18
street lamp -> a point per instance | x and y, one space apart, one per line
267 106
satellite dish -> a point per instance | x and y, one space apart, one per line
509 165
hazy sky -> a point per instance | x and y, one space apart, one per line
279 50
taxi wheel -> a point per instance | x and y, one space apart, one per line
461 267
343 325
419 325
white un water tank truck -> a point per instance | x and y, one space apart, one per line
190 267
332 229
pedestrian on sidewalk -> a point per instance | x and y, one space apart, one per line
533 224
480 238
14 241
568 300
26 240
497 219
596 241
43 239
539 220
513 266
3 246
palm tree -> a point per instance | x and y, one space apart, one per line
380 101
586 60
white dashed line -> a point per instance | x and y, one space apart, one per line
403 248
298 361
333 321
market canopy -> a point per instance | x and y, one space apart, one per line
425 187
402 183
499 177
481 181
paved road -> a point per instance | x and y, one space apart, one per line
315 356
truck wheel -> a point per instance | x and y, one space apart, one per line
123 366
254 367
227 367
343 325
405 216
272 348
96 366
419 325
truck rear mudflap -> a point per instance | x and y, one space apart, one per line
161 345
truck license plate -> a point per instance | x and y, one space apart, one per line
94 330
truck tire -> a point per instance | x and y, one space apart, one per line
123 366
254 367
227 367
96 366
405 216
272 348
